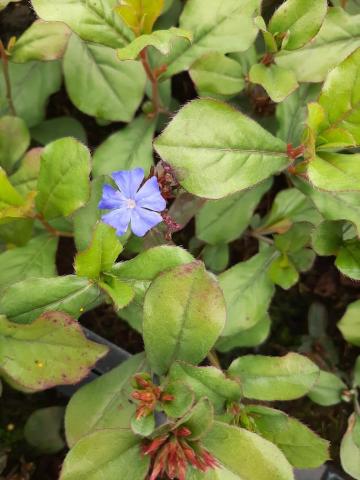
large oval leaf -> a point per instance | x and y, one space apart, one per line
99 85
247 454
50 351
216 150
275 378
184 313
106 454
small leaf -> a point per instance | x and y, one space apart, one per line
251 337
35 259
350 451
103 403
26 176
42 41
216 257
161 40
64 184
300 20
277 81
247 454
217 75
327 238
105 453
56 128
275 378
348 259
100 256
327 390
182 401
99 85
50 351
349 324
120 293
143 426
283 272
14 141
216 151
248 292
209 382
24 301
338 37
123 151
199 420
188 320
140 15
224 220
335 171
302 447
43 430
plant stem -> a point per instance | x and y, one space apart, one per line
214 360
53 231
154 79
258 236
5 66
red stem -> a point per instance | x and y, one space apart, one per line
5 64
153 77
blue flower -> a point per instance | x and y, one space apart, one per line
131 204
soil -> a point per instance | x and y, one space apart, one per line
289 309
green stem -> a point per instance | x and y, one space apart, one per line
153 78
53 231
5 65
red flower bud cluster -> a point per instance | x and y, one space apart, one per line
167 181
174 452
148 395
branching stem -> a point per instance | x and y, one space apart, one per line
53 231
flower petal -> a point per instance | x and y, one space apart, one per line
119 219
143 220
129 181
111 198
149 196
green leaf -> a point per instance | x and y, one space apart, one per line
216 257
105 453
31 84
24 301
101 254
327 238
338 37
348 259
64 184
42 41
26 176
103 403
91 20
229 28
188 320
300 20
252 337
351 6
12 204
216 150
50 351
327 390
162 40
224 220
343 114
59 127
283 272
123 151
275 378
209 382
217 75
350 451
302 447
199 420
182 401
43 430
277 81
349 325
36 259
14 141
334 205
140 15
248 292
143 426
291 113
247 454
220 473
120 293
99 85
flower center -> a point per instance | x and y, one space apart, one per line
131 203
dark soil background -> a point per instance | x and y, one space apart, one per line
289 310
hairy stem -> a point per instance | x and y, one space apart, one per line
5 67
53 231
153 77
